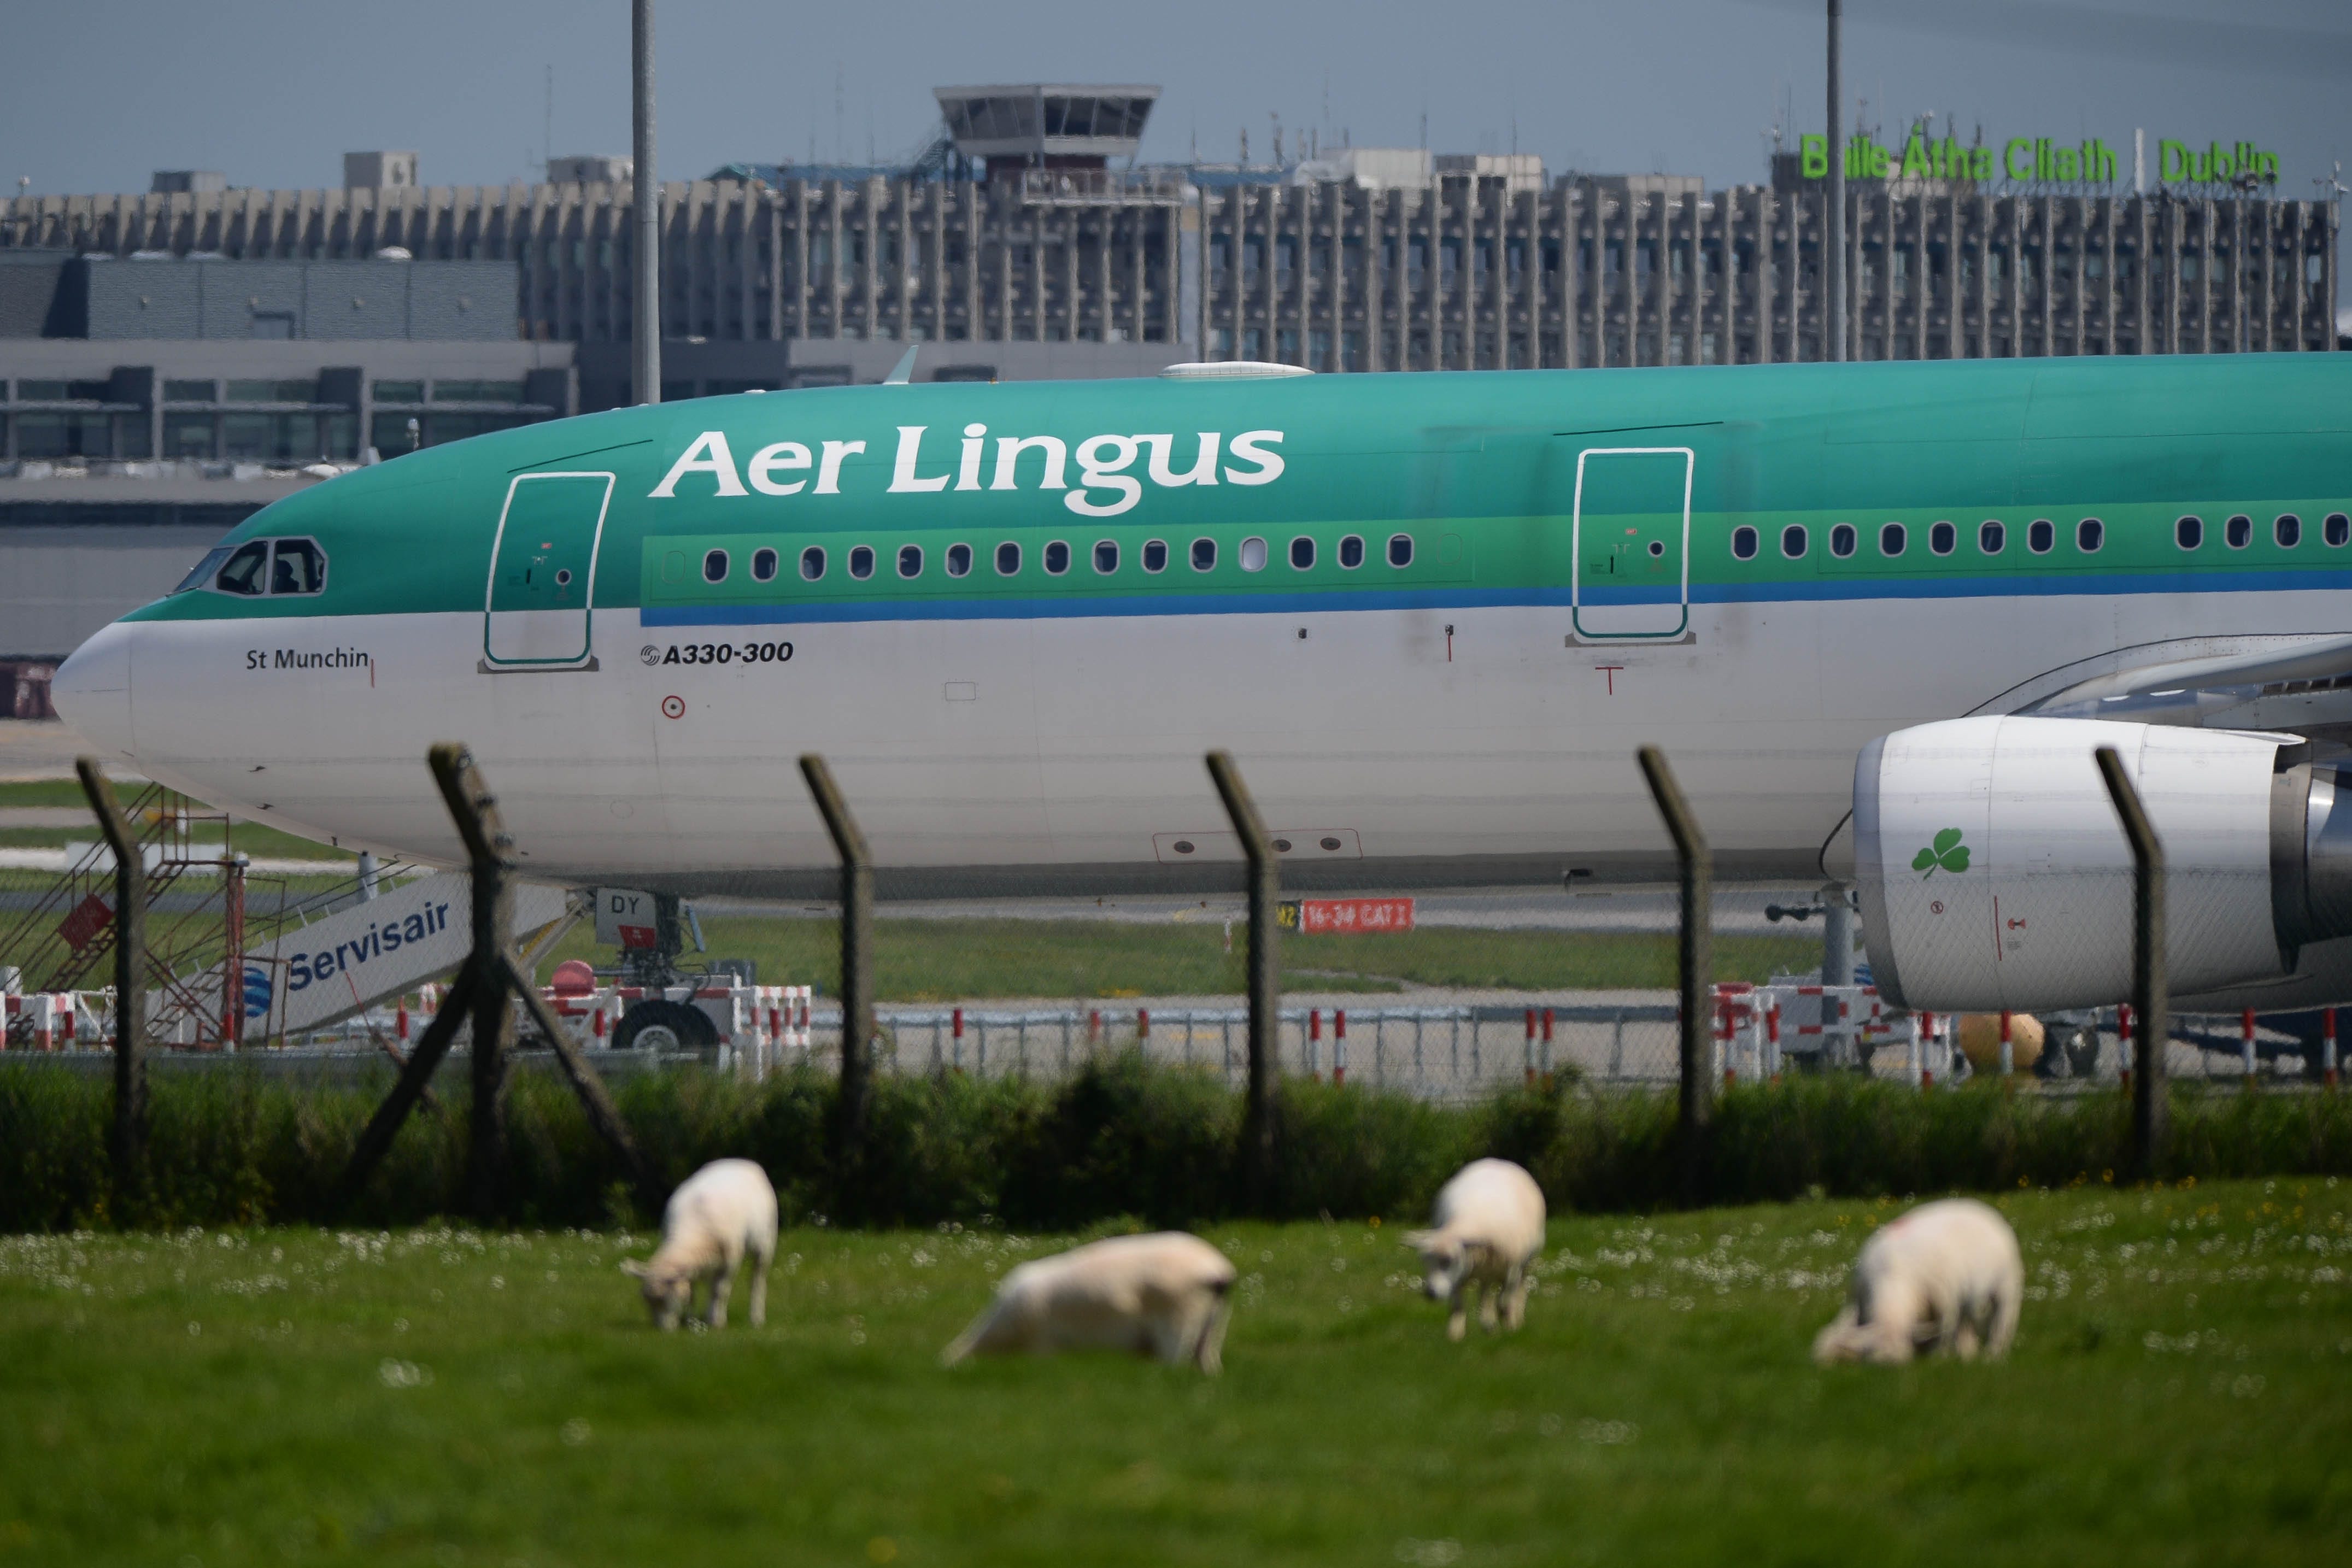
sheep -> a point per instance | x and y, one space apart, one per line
1944 1277
1166 1295
724 1214
1489 1228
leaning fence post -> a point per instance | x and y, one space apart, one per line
128 1141
2149 1001
1260 1155
1694 965
482 986
491 849
857 972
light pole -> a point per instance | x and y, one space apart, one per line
1834 220
644 358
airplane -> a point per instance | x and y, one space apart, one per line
1878 616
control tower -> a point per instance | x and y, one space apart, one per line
1044 126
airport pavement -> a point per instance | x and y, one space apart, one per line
33 748
1737 910
44 817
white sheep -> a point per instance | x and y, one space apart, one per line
1166 1295
723 1215
1489 1228
1946 1276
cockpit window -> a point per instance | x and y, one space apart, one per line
203 570
298 566
246 571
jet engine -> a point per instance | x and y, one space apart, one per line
1995 875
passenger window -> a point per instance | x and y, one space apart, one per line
1793 541
2287 530
1057 558
714 566
861 562
1253 554
910 561
1743 543
1942 537
2337 530
2188 532
2089 535
1892 538
1400 550
1105 556
1843 539
959 560
1352 552
1302 553
1991 538
1204 554
813 563
245 570
1008 559
298 567
763 565
2239 531
2040 535
1155 555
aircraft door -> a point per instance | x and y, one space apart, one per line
1631 568
542 573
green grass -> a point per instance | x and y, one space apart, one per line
254 839
958 960
65 791
2178 1394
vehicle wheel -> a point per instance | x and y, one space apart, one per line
2083 1052
664 1026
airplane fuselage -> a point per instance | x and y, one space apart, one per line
1432 616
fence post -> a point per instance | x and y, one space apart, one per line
2150 1002
1260 1154
487 845
128 1140
1694 966
857 973
488 977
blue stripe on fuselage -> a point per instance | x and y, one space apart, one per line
1328 600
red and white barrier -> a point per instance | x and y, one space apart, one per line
1754 1025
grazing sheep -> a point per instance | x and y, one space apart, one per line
1945 1277
1490 1225
1166 1295
724 1214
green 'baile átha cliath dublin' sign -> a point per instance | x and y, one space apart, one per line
2033 158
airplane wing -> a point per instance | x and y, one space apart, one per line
2297 683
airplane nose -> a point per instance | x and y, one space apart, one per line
91 690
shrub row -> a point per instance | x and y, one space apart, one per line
1124 1137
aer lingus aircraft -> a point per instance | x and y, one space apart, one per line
1878 615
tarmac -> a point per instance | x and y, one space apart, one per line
38 748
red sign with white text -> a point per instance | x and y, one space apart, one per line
1353 917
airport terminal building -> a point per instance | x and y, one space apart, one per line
171 360
1022 228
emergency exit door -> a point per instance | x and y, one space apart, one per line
1631 572
543 572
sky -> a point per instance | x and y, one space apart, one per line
271 92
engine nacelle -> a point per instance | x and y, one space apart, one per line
1994 873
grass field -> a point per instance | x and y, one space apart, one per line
65 791
2181 1393
957 960
251 837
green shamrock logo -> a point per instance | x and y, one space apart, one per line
1947 852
